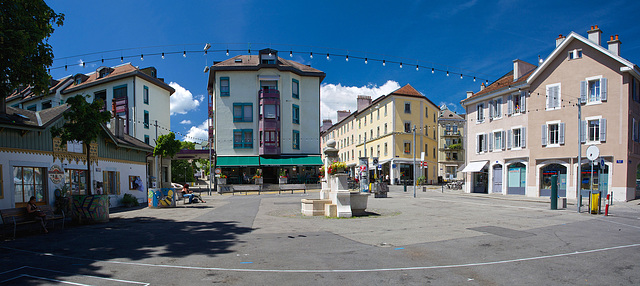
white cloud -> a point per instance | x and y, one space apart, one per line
185 121
337 97
182 100
197 134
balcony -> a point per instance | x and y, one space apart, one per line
451 133
450 147
268 93
269 122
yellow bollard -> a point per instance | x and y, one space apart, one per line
595 202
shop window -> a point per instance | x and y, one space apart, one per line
111 182
75 180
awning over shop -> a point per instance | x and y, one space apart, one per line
238 161
292 161
474 166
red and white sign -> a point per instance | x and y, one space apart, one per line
218 171
425 164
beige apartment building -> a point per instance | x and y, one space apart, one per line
524 127
383 129
450 144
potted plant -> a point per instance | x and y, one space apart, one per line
129 200
337 168
222 180
257 178
283 177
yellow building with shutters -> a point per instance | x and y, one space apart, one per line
384 129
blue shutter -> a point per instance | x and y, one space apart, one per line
543 135
603 89
561 133
583 92
603 129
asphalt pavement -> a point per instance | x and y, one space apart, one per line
438 237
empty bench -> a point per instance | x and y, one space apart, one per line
246 188
19 216
292 187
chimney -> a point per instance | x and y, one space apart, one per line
614 45
326 124
481 87
470 93
342 114
521 68
594 34
363 102
117 126
559 40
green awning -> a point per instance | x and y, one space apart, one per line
292 161
238 161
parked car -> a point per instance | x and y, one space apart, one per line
176 186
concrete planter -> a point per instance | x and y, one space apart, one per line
258 181
339 182
282 180
87 209
359 202
222 181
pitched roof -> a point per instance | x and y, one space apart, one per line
407 90
16 117
450 115
505 81
26 94
118 72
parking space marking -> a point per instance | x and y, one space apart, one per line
43 278
62 272
339 270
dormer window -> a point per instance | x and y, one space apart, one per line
575 54
269 59
103 73
78 80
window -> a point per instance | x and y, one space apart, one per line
634 131
145 95
575 54
593 90
596 130
515 103
434 152
385 128
146 139
378 114
101 95
516 138
481 143
498 140
378 132
407 107
295 114
552 134
407 127
385 110
296 140
146 119
111 182
270 138
352 155
378 150
224 86
371 135
29 181
243 112
295 88
78 80
371 119
385 149
1 184
480 112
426 112
120 92
407 147
495 109
46 104
243 138
553 97
74 146
32 108
75 180
270 111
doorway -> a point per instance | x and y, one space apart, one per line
497 179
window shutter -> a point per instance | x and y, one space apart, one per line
117 183
509 135
523 132
491 108
484 142
503 139
561 131
556 96
105 183
603 89
583 92
523 98
509 104
633 131
478 147
490 142
583 131
543 135
603 129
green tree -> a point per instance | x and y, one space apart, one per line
187 145
83 124
25 55
166 146
182 171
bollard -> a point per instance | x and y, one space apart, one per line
405 186
606 207
554 192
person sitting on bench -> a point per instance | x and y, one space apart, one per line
36 214
189 194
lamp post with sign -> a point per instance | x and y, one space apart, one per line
592 154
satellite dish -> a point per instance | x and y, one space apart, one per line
593 152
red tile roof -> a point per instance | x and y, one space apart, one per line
504 82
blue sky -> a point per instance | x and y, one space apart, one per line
476 38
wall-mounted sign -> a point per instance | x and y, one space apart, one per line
619 161
56 175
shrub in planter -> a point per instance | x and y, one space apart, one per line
129 200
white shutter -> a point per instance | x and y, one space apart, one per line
583 92
603 89
509 139
503 139
561 132
499 108
583 131
523 132
556 96
523 98
509 104
548 99
543 135
603 129
490 141
490 105
484 142
478 147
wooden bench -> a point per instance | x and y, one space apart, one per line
292 187
18 216
246 188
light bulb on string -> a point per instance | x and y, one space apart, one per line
65 67
433 70
460 76
347 58
474 79
417 68
227 52
291 54
447 73
366 61
103 60
163 56
184 54
141 57
311 55
327 56
400 64
384 63
121 59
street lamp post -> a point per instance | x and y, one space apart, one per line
414 161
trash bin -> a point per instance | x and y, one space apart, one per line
595 203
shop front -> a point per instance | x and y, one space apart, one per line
479 173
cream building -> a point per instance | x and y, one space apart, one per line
383 129
450 144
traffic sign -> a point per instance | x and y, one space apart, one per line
425 164
218 171
375 160
593 152
379 167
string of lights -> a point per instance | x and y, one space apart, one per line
348 55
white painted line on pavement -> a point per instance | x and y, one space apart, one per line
611 221
340 270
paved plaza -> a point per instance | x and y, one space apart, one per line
437 238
